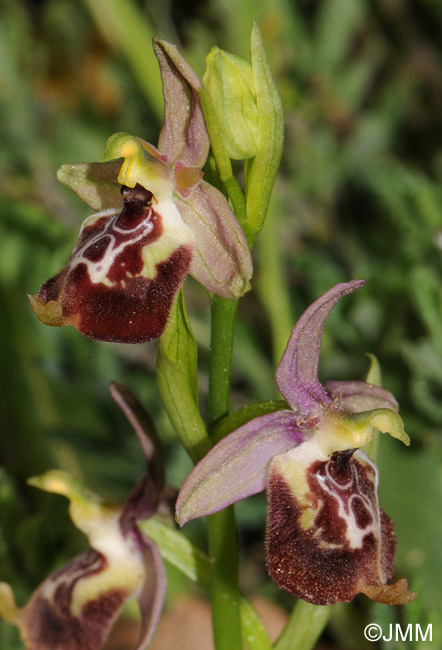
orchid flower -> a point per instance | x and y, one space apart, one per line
74 608
327 539
156 221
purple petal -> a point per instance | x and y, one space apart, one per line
144 429
297 373
151 598
184 135
358 396
142 502
221 261
236 467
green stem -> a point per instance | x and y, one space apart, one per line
223 548
304 627
236 196
224 589
223 312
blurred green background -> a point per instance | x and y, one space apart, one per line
358 195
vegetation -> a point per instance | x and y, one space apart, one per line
358 196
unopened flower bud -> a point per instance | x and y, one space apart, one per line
244 118
229 85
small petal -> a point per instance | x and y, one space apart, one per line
123 273
186 178
152 595
95 183
236 467
297 373
357 396
222 261
326 539
184 134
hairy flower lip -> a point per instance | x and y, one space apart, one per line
327 539
119 283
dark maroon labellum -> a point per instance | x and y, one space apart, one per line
115 286
334 543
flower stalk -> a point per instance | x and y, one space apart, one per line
223 314
223 547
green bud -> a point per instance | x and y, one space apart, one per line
229 86
244 118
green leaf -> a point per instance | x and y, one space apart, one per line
177 381
253 632
186 556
